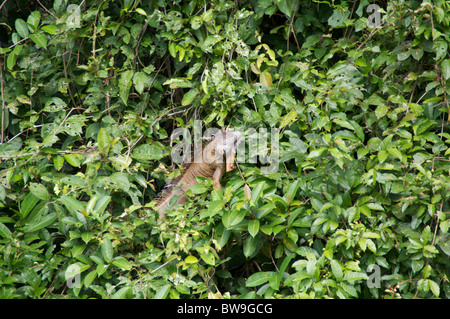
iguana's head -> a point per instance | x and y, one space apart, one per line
223 144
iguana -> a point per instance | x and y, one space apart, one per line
217 157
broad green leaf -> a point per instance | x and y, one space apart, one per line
33 20
122 263
140 79
162 292
285 263
317 152
104 142
288 7
121 293
73 159
257 193
191 259
39 223
292 191
11 60
28 204
141 11
232 218
4 231
253 227
90 278
72 204
50 29
445 65
355 275
40 39
22 28
337 270
189 96
101 204
107 250
434 287
208 258
75 269
198 188
338 17
125 82
147 152
250 245
40 191
265 79
54 104
259 278
120 180
58 162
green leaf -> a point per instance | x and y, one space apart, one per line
73 159
40 39
208 258
125 82
28 204
191 260
39 223
54 104
292 191
122 263
40 191
265 79
288 7
121 293
107 250
445 65
250 245
75 269
434 287
257 193
90 278
33 20
337 270
50 29
189 96
72 204
253 227
4 231
58 162
141 11
11 60
120 180
232 218
198 188
147 152
104 142
22 28
338 18
259 278
140 79
162 292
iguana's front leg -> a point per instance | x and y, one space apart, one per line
217 176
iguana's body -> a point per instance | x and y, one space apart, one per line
218 157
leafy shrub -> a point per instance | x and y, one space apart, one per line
358 207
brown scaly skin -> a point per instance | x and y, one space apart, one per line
218 157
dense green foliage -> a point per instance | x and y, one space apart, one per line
359 205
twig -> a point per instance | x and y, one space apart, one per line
46 10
